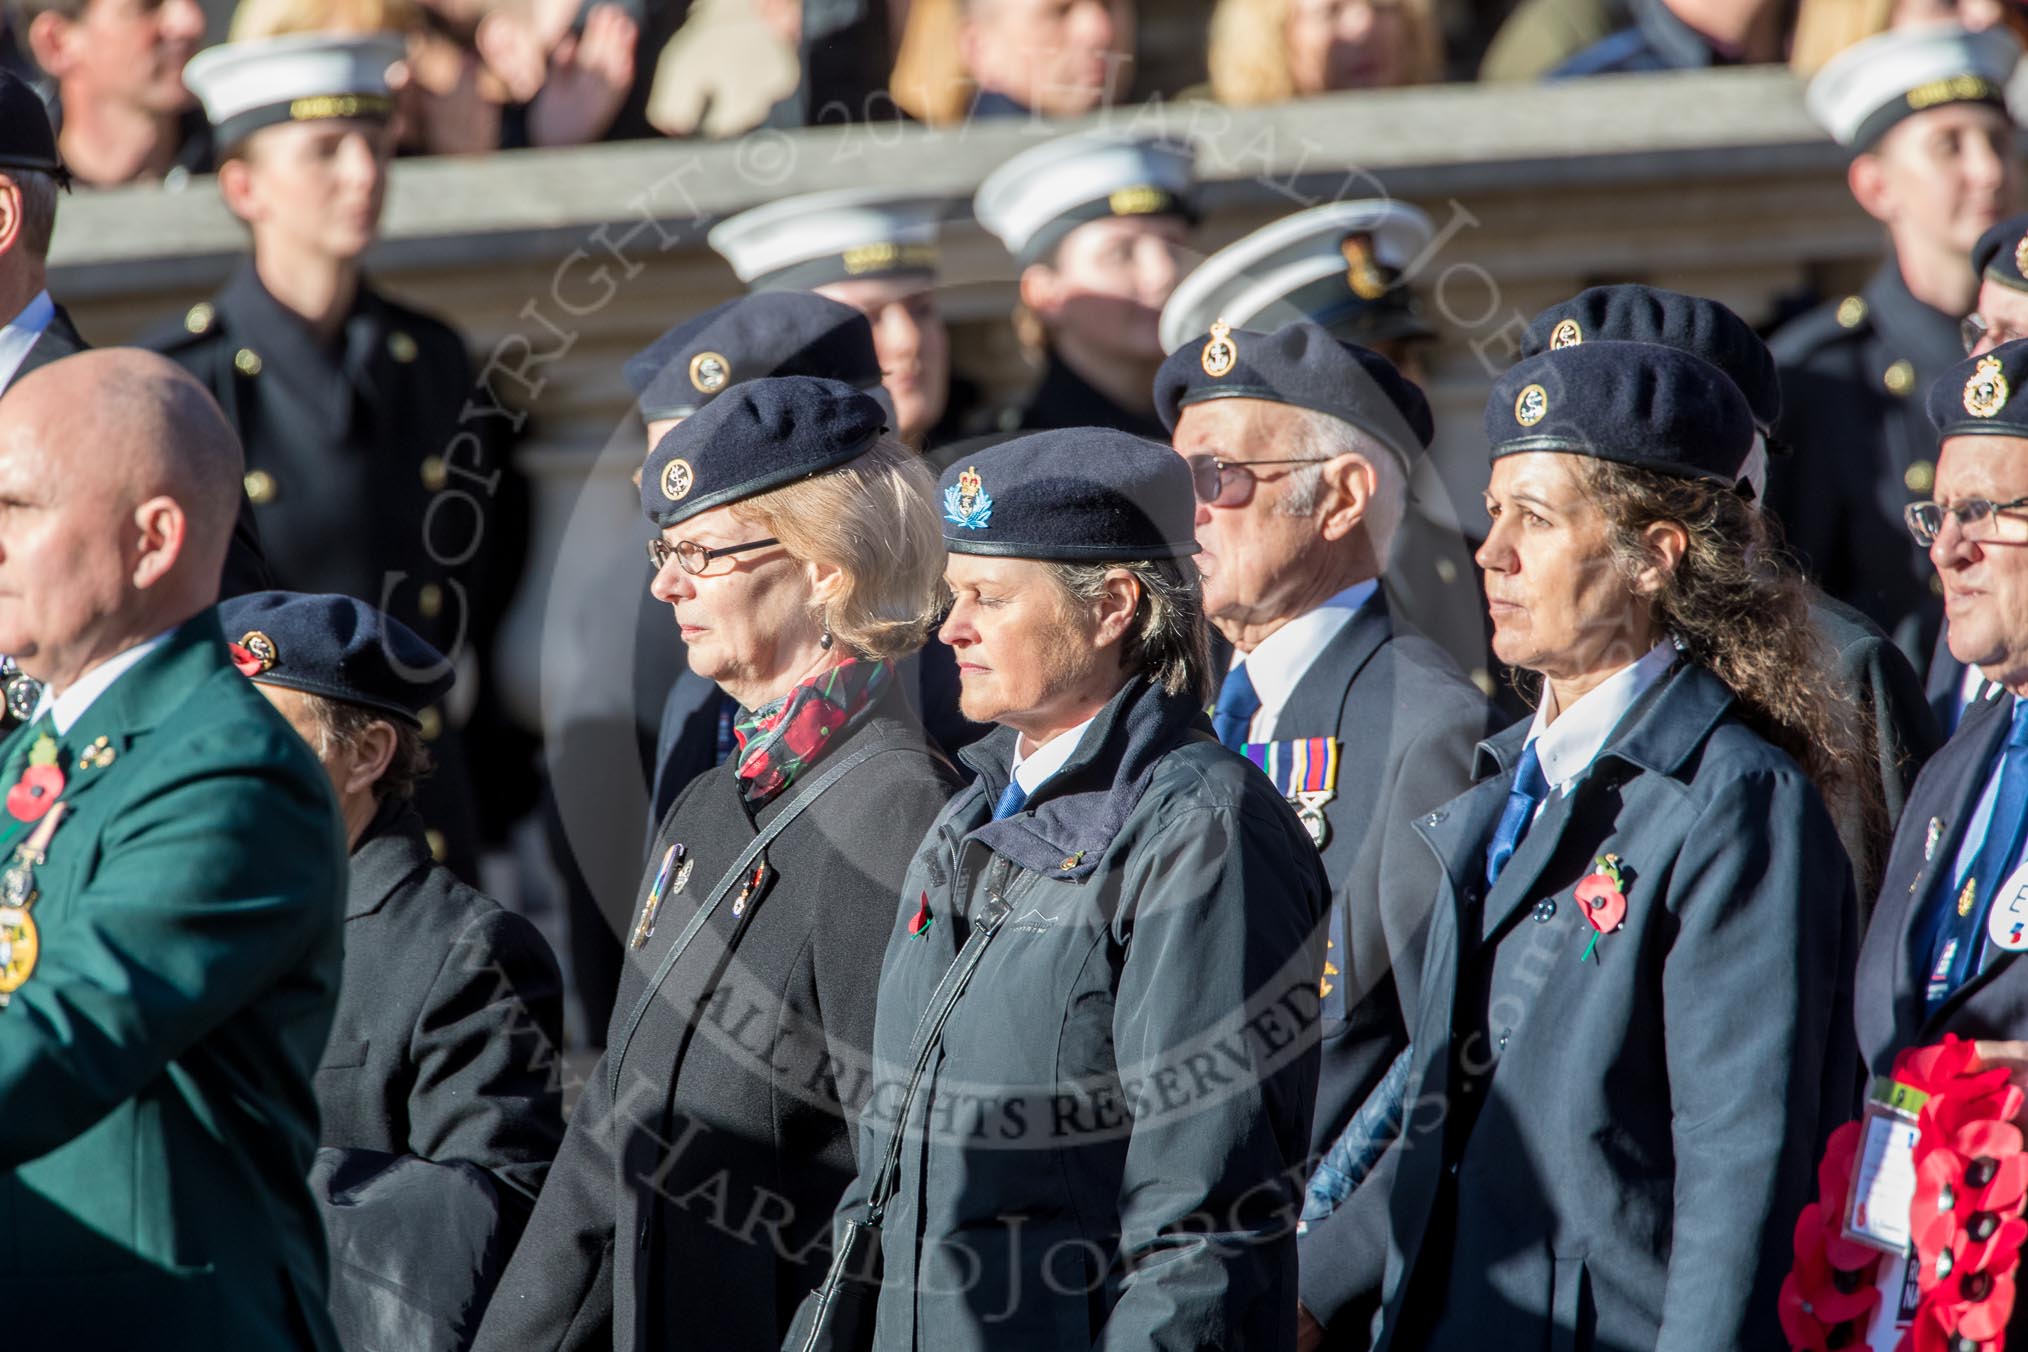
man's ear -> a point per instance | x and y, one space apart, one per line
1042 290
160 530
54 42
1866 176
10 214
372 753
1351 481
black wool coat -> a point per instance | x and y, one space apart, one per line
692 1206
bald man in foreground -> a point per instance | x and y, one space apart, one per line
172 875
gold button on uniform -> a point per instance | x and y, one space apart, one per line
260 486
400 346
1851 312
430 601
198 317
247 362
434 475
1920 477
432 723
1899 378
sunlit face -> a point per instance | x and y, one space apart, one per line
1948 174
1558 603
1985 585
133 52
2003 314
1257 560
1109 281
912 343
1346 44
312 187
1026 653
64 571
1056 57
750 620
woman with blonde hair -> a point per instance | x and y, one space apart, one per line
1269 51
799 551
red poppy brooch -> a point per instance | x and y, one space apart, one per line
1602 894
40 785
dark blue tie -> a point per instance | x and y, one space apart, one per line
1237 703
1012 799
1961 930
1530 788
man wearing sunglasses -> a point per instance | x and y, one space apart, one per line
1300 447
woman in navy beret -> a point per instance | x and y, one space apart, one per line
1631 1041
1097 1013
689 1206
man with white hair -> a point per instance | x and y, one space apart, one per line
1300 446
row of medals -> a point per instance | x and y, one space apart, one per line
18 939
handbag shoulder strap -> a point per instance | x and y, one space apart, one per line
617 1050
928 1032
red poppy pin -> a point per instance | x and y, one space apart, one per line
1602 894
248 664
40 785
920 924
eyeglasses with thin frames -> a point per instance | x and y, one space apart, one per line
1978 519
1230 483
694 558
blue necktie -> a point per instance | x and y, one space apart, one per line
1237 703
1530 788
1974 893
1012 799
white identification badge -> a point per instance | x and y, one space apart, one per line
1900 1292
2007 918
1883 1179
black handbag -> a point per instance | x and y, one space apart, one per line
838 1316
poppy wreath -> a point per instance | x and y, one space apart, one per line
1830 1294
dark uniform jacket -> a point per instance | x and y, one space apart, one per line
1611 1153
1853 375
362 478
692 1209
1119 1107
155 1067
59 338
1067 399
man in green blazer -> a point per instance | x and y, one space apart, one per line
172 878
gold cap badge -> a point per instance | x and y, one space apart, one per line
677 480
1362 272
1531 406
1986 391
261 648
1566 334
710 372
2021 256
1220 354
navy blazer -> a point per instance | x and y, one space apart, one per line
1611 1153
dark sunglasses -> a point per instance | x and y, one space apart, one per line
1230 483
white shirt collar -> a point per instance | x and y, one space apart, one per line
21 332
1281 660
66 709
1567 747
1032 770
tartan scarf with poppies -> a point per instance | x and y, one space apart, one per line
779 741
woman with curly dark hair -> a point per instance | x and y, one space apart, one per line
1629 1043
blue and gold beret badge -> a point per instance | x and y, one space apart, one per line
1531 406
1220 353
1986 391
710 372
967 504
677 480
1568 333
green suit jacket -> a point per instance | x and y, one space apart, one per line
156 1113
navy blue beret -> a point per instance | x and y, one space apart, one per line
1647 314
760 435
2001 255
1075 495
773 333
1301 364
27 141
1638 404
338 647
1986 395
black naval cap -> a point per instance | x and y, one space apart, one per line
27 141
338 647
759 435
1648 314
1073 495
770 333
2001 255
1638 404
1305 365
1986 395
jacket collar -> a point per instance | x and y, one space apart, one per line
1067 399
1662 730
393 850
1318 701
1084 806
1924 335
292 352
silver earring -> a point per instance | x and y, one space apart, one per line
825 641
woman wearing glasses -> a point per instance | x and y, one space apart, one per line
1631 1040
690 1203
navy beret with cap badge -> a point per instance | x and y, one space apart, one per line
27 140
1637 404
1986 395
338 647
769 333
1647 314
757 436
1304 365
1071 495
2001 255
